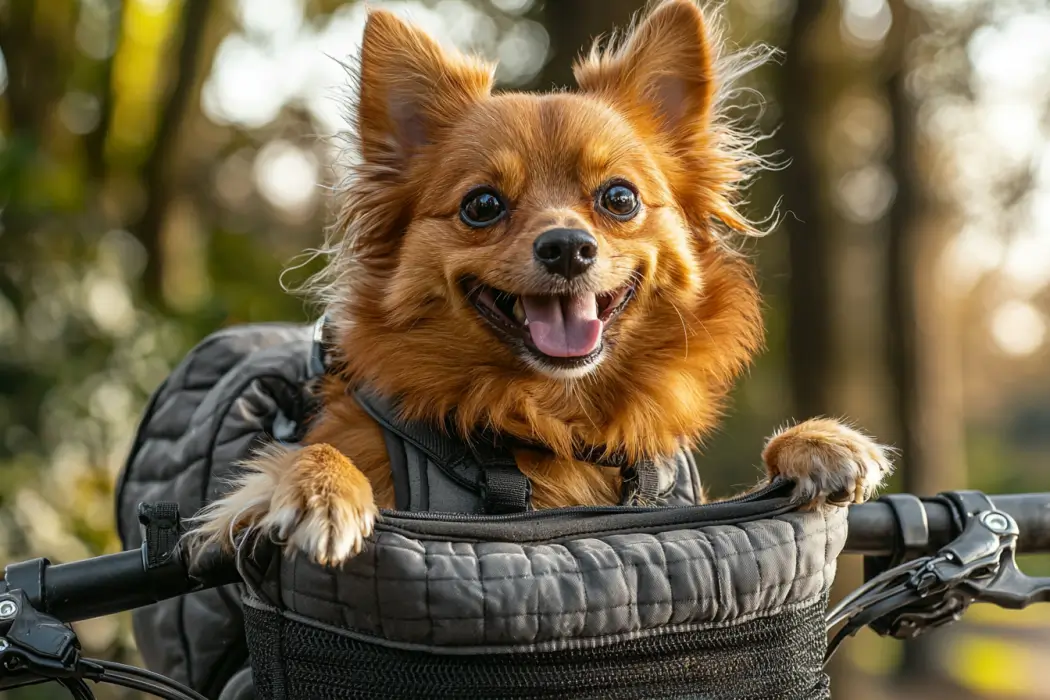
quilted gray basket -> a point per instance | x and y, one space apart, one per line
718 601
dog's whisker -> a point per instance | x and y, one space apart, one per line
685 328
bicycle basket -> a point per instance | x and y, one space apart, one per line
717 601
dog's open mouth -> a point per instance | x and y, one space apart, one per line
566 329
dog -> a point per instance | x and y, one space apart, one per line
553 267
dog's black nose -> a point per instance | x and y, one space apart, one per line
568 252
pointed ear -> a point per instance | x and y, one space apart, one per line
661 76
410 88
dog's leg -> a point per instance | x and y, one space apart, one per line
830 462
311 498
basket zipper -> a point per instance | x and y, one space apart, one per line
570 511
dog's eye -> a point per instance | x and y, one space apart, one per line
482 207
619 200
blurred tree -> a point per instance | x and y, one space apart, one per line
810 341
136 216
813 318
855 188
185 67
907 347
573 27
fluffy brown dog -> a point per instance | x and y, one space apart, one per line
553 267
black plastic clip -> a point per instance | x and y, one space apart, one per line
504 489
913 533
1007 586
161 532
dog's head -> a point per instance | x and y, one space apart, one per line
549 265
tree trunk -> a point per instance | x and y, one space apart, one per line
38 57
95 142
918 344
572 26
809 336
814 321
156 171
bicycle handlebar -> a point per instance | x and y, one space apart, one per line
875 531
105 585
117 582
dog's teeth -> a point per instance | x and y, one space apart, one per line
519 312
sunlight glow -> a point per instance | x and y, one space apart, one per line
866 22
278 59
515 7
1000 175
1018 328
972 254
108 303
287 175
1026 264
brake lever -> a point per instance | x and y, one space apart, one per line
1009 587
978 566
37 646
1015 590
975 555
940 595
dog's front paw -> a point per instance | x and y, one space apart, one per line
324 506
829 462
313 499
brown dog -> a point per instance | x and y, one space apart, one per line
553 267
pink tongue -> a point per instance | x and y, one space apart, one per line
563 326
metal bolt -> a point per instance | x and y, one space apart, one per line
3 644
996 522
8 609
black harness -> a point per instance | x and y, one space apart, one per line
434 470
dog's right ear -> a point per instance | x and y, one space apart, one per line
662 75
410 88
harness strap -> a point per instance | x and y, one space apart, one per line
485 468
641 485
505 489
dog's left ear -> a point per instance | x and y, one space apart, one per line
661 77
411 88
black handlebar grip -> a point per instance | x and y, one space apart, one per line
106 584
102 586
82 589
874 531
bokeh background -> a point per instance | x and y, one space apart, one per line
163 161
